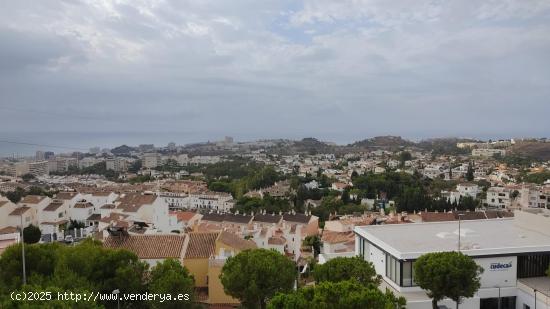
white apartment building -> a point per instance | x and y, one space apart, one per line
61 164
151 160
116 164
217 201
18 169
87 162
533 197
39 168
488 152
204 160
514 253
468 189
498 197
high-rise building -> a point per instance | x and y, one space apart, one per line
40 155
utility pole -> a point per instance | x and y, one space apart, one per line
459 219
23 252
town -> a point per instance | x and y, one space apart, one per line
385 199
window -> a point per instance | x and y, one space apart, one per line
407 274
393 269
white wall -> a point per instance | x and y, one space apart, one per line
498 272
378 258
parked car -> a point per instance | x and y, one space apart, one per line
69 239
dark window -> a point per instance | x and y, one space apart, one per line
533 265
492 303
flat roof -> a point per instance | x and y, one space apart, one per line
478 238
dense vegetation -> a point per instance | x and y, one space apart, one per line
19 193
341 283
88 267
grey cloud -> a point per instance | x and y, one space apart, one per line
211 68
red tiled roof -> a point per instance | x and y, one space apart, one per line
149 246
32 199
184 215
336 237
235 241
132 202
201 245
19 211
65 195
437 216
8 230
53 206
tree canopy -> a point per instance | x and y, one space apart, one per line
31 234
347 268
89 267
337 295
255 276
171 277
447 274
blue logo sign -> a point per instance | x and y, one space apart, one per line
500 266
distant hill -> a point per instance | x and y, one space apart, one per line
532 149
122 150
383 142
311 145
444 145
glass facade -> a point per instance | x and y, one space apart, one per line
401 272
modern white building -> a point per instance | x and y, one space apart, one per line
514 253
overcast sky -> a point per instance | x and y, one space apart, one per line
337 70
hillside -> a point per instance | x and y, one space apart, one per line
532 149
386 142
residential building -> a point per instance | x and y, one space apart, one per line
487 152
116 164
151 249
39 168
498 197
151 160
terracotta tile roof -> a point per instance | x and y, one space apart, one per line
53 206
237 218
149 246
108 206
94 217
276 241
437 216
65 195
101 193
83 205
19 211
235 241
268 218
213 217
8 230
298 218
2 203
184 215
201 245
32 199
337 237
132 202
